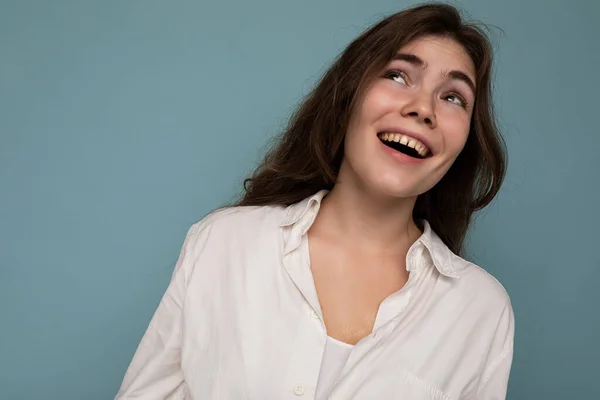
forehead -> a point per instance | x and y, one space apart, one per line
441 53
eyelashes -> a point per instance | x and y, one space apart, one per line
462 102
396 73
401 77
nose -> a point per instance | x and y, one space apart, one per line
421 108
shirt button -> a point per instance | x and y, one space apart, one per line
314 314
298 390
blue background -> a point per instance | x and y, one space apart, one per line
123 122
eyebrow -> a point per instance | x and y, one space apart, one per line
418 62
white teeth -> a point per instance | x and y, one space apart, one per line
407 141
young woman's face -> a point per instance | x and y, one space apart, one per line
413 119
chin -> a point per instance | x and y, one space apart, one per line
404 189
401 193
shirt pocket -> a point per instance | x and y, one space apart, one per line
401 385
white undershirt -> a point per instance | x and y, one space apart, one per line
334 359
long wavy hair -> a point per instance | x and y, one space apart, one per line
307 155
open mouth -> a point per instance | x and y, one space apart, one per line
405 144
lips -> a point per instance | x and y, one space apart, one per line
405 144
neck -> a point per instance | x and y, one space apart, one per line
366 221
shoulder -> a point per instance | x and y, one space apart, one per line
241 216
485 306
236 221
225 232
484 295
480 283
469 281
492 317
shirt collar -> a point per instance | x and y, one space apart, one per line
309 205
440 254
300 216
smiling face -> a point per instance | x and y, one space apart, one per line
413 119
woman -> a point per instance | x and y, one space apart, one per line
338 274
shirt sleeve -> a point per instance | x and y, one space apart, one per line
494 381
155 371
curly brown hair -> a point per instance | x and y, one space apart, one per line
307 155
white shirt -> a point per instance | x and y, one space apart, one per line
241 320
334 359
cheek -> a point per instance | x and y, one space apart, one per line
381 99
457 133
376 103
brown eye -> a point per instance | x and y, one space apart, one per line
457 99
397 76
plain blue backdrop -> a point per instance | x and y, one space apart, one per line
124 122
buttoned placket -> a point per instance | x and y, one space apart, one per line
309 346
